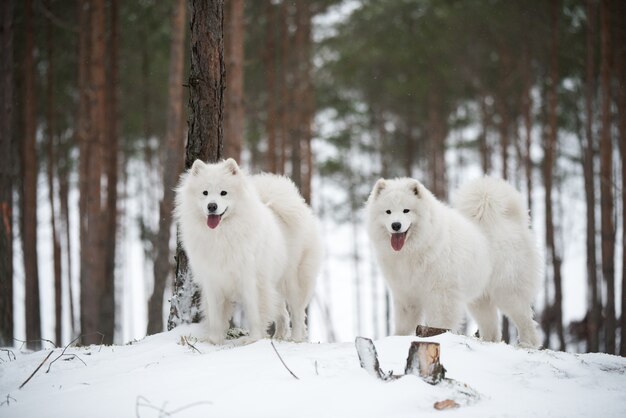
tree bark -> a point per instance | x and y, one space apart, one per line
7 173
174 143
52 157
606 178
593 300
110 167
284 87
205 137
233 100
549 162
269 59
29 202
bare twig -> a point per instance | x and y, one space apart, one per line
33 341
144 402
62 352
38 367
282 361
8 401
9 353
74 356
186 341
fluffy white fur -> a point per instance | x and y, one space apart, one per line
261 249
480 255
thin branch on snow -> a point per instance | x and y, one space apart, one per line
185 340
9 353
32 341
62 353
282 361
8 400
38 367
143 402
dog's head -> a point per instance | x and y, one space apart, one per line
213 189
395 209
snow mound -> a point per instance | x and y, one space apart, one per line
164 375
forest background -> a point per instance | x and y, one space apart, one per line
334 94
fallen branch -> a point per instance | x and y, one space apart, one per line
282 361
38 367
8 401
62 353
162 412
9 353
185 340
425 332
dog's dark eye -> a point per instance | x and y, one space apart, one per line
405 211
223 193
388 212
205 193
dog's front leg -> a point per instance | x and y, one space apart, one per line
214 316
251 301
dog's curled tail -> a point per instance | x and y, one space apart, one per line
281 195
489 199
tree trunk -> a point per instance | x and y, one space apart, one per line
110 161
285 85
29 202
173 165
7 173
621 105
205 137
95 249
606 178
269 59
82 138
485 151
593 300
56 246
549 162
233 101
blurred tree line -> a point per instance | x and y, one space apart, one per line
533 91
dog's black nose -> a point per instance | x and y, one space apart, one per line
396 226
212 207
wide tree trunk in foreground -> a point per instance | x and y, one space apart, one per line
233 100
173 164
621 103
205 137
269 59
6 173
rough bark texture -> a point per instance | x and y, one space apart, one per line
109 211
269 58
52 157
423 361
606 178
205 137
621 103
549 162
593 301
173 165
6 173
233 100
29 201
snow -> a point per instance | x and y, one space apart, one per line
162 373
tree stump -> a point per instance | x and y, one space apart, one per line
423 361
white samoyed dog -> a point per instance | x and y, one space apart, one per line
439 260
250 240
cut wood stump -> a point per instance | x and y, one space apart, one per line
369 358
423 361
425 332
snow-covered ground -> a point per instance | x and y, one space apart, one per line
160 376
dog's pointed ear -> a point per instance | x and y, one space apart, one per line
232 166
197 166
378 187
415 188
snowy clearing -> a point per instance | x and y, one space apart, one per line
160 376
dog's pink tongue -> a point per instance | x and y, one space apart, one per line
397 241
213 221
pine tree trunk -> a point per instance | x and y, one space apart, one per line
620 62
7 173
269 58
233 100
549 162
29 202
284 86
593 299
606 178
173 165
56 245
485 152
110 167
205 137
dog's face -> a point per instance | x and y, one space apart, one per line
214 188
394 206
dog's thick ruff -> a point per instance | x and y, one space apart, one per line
438 260
250 240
